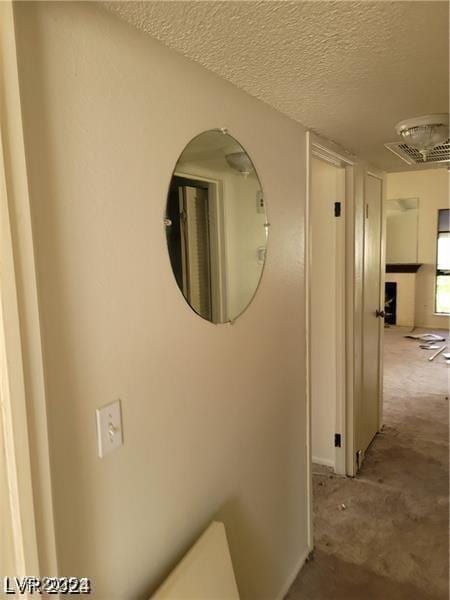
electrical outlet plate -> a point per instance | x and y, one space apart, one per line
109 428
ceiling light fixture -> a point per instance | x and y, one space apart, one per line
240 162
424 133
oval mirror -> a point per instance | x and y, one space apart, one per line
216 226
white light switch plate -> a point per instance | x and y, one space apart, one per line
109 428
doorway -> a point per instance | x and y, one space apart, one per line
345 325
345 307
195 236
327 309
188 238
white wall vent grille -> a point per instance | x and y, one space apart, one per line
412 156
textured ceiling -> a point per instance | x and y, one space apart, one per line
348 70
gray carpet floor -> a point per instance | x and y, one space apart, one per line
392 540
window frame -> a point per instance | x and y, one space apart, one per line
440 272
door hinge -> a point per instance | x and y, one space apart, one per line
337 440
337 209
367 211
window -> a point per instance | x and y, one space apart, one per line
443 262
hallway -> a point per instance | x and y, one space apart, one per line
384 534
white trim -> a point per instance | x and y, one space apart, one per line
330 152
292 577
20 314
13 417
325 156
350 282
326 462
12 391
309 483
340 466
355 331
376 174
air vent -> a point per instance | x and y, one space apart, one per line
412 156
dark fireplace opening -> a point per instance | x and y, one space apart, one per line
390 303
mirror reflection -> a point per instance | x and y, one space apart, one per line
216 226
402 220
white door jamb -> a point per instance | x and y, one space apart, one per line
23 404
333 154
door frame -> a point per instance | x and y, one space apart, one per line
13 409
216 211
318 147
349 409
23 398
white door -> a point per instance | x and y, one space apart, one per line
373 324
327 315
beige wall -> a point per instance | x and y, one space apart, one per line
402 237
244 234
431 187
214 416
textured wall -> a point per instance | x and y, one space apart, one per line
349 70
214 416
